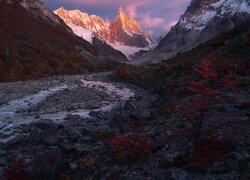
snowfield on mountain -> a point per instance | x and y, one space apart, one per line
124 34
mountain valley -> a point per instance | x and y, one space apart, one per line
85 98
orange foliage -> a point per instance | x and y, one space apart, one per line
122 72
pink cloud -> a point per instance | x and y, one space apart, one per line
133 5
132 11
151 22
154 15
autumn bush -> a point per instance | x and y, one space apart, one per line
131 74
124 147
206 90
42 165
209 150
209 91
122 72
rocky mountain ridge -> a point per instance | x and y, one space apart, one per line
202 21
124 34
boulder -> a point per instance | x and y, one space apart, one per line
50 137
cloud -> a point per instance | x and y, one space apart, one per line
151 22
132 11
154 15
133 5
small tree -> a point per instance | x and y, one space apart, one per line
208 93
122 72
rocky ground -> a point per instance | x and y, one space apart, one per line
85 127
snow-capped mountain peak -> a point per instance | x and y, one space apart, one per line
78 18
129 25
202 21
124 34
200 13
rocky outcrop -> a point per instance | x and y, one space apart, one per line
128 31
39 10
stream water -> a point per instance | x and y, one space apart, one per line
11 115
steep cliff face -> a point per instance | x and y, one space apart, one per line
202 21
38 10
124 34
128 31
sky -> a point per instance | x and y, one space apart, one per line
155 16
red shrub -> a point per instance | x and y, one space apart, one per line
228 80
122 72
207 91
209 150
124 147
194 108
205 70
18 171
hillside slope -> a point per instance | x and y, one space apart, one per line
35 43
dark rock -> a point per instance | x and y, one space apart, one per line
73 134
94 113
37 116
108 172
245 105
219 168
129 106
50 137
141 115
34 136
2 144
72 117
169 157
44 124
79 148
73 166
246 174
85 131
99 115
125 129
86 139
120 117
18 139
173 174
240 155
67 147
2 152
3 162
160 143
